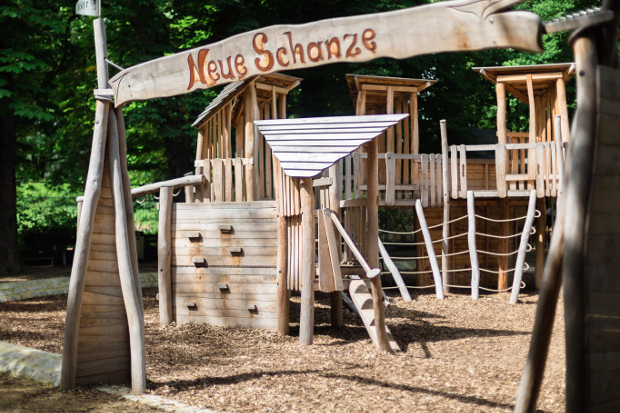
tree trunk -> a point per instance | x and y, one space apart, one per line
10 257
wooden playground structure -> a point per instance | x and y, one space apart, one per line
255 220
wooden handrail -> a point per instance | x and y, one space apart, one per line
152 188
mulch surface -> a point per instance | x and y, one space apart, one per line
458 355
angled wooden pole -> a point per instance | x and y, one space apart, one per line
92 191
516 284
133 248
132 302
82 247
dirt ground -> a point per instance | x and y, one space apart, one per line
459 355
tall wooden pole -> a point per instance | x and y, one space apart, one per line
250 114
541 224
577 195
504 229
133 306
306 322
334 203
372 242
500 90
92 191
283 304
164 255
446 207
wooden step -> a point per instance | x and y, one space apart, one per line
361 296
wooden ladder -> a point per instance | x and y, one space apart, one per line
361 296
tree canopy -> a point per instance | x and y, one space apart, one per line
47 75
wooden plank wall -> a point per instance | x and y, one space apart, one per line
103 342
602 263
249 275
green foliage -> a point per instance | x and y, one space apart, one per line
45 211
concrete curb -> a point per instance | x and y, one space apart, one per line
153 400
23 290
29 363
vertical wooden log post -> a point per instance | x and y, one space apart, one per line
79 212
500 90
334 202
541 225
82 247
372 242
577 195
446 207
133 248
282 264
164 255
560 154
504 229
473 249
564 126
306 322
415 128
132 304
432 258
249 116
200 148
518 274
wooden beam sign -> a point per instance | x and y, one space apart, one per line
447 26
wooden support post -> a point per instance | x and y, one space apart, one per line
395 273
390 179
446 207
577 196
306 323
502 279
534 370
82 247
473 249
415 128
79 212
164 256
132 304
541 224
563 109
500 90
432 258
500 170
525 235
560 154
200 148
337 319
283 302
372 242
250 115
131 226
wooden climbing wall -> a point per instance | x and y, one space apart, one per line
224 262
103 338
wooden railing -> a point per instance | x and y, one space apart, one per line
511 169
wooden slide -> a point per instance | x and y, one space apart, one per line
361 296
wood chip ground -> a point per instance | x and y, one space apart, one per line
458 355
